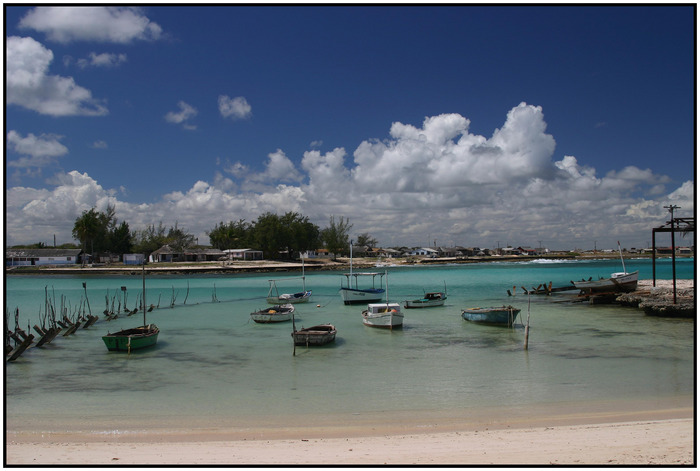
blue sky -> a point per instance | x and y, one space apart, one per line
461 125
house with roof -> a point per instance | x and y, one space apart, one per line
36 257
424 251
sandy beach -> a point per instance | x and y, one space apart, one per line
661 437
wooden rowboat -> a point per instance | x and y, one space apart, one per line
314 336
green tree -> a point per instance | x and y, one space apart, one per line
335 237
233 235
96 230
298 234
365 240
178 239
266 235
120 239
149 239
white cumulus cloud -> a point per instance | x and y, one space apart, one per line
29 84
181 117
235 108
67 24
37 151
434 181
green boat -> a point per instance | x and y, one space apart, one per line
136 338
132 339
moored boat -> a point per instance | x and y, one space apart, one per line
428 300
136 338
295 298
273 296
504 315
618 282
279 313
356 295
132 339
314 336
383 315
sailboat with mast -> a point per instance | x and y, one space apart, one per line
273 296
136 338
354 295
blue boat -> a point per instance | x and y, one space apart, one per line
504 315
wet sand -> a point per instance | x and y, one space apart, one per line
633 434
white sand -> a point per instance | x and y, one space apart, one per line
639 442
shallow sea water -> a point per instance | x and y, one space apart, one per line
213 366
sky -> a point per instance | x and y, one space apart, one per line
566 127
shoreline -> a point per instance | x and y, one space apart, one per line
632 432
271 266
664 442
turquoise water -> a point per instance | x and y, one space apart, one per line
214 366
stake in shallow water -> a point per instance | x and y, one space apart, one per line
527 324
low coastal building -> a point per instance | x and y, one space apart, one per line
133 258
204 255
243 254
424 251
35 257
169 254
165 254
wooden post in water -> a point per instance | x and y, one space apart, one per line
527 325
294 340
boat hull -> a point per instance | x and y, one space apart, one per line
279 313
622 282
296 298
314 336
383 321
361 296
383 315
425 302
501 316
270 318
132 339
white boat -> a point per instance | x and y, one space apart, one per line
273 296
384 315
618 282
357 295
300 297
280 313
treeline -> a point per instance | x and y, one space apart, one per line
276 236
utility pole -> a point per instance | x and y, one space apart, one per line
673 248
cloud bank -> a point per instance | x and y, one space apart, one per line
433 182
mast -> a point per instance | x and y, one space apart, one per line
143 295
350 277
621 259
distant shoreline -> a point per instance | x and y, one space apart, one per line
268 266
